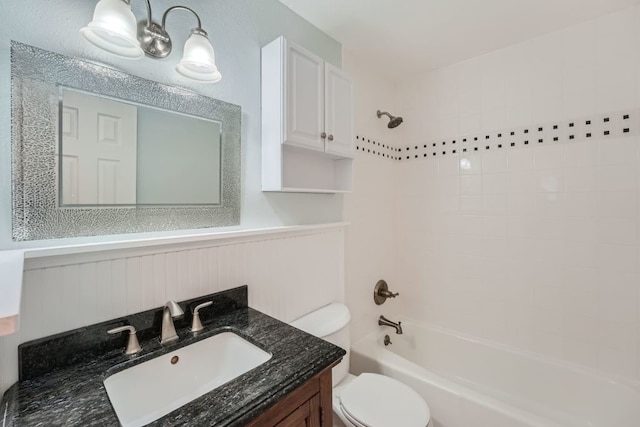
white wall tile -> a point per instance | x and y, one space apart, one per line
579 306
470 164
494 162
549 157
617 257
614 152
522 182
581 179
580 254
494 119
616 36
618 178
470 124
618 204
581 204
470 184
520 160
583 155
618 231
581 229
580 89
494 183
558 222
616 84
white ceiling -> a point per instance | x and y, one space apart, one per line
410 36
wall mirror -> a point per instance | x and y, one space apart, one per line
113 153
97 151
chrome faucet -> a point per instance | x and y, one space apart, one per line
383 321
171 311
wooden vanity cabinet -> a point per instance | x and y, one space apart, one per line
309 405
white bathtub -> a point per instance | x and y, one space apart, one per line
469 382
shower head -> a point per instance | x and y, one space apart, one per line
393 121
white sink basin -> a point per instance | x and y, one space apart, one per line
150 390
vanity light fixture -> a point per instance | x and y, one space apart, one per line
114 29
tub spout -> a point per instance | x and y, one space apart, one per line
383 321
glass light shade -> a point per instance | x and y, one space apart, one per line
114 29
198 60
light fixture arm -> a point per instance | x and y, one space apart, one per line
148 2
154 38
149 20
164 16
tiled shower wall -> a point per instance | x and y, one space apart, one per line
288 275
526 235
370 211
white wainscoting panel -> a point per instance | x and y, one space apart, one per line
288 275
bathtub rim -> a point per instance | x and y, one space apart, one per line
614 379
409 369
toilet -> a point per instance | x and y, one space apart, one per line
366 400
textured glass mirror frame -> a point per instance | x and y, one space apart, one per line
35 79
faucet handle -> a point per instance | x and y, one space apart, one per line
387 294
133 346
381 292
196 325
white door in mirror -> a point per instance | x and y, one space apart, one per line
150 390
99 146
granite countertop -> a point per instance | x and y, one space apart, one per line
75 395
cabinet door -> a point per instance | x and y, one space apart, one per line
304 114
338 112
307 415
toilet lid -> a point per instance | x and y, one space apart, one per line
378 401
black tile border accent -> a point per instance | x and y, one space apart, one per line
597 127
378 148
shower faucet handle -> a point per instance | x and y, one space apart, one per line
387 294
381 292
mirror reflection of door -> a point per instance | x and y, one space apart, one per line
99 137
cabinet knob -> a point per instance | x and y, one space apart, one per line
330 137
323 135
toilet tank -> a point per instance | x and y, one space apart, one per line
331 323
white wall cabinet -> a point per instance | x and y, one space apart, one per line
307 122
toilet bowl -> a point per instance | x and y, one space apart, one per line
373 400
366 400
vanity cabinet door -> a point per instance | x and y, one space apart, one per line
310 405
307 415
